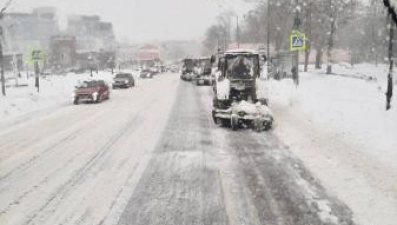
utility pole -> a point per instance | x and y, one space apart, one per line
36 56
392 17
389 92
90 62
295 69
238 34
268 32
2 12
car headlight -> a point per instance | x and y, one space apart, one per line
126 81
95 95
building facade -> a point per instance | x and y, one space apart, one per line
92 35
63 51
24 32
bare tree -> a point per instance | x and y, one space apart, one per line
337 14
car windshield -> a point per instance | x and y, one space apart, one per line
122 75
242 66
88 84
188 63
205 63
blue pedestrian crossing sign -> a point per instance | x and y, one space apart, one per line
297 41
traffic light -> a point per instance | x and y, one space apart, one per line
392 8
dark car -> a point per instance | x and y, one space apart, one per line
92 91
187 69
146 73
203 72
123 80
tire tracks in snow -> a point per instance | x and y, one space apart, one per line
84 171
181 185
79 175
282 190
23 147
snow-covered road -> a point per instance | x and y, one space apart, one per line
70 166
152 155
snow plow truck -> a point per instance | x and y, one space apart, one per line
237 102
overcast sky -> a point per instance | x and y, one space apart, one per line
144 20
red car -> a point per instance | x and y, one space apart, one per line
91 90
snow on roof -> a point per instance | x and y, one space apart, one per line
241 51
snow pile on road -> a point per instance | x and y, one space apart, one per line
252 109
340 123
54 91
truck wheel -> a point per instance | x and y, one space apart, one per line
234 123
268 125
257 125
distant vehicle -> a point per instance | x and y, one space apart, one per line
123 80
187 69
237 101
154 70
78 70
203 72
173 69
46 73
91 91
146 73
61 72
160 68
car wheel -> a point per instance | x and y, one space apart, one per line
76 101
214 118
98 99
234 123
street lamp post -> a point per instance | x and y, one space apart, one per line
238 34
224 36
297 22
389 92
111 62
36 57
268 33
90 61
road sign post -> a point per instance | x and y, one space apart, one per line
297 43
36 56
